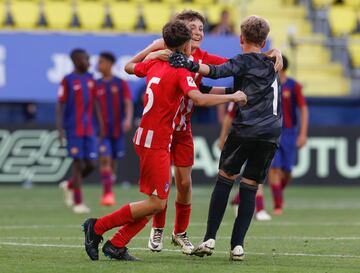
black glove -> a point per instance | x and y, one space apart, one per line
204 88
178 60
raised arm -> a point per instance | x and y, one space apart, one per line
208 100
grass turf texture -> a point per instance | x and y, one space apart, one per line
319 232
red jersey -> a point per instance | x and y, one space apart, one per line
166 87
187 106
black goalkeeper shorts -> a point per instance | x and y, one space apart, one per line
258 155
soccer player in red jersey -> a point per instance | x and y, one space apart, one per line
182 150
293 136
74 119
117 111
260 213
166 88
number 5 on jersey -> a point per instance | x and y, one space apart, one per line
150 93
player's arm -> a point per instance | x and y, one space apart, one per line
275 54
215 90
304 116
228 119
129 108
99 118
59 121
208 100
140 56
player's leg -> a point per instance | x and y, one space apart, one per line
106 172
260 213
232 158
260 155
182 208
286 180
131 218
275 177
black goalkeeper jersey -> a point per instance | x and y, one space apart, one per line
254 74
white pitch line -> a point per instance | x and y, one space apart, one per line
173 250
287 238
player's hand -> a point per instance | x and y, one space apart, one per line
61 137
127 125
220 144
301 141
159 55
276 54
179 60
240 97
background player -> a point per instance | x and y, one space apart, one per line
74 119
166 87
292 139
117 111
182 151
260 213
255 134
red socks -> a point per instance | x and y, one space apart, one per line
182 217
77 196
159 219
106 180
123 236
277 196
118 218
70 184
259 201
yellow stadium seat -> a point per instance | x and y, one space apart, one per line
124 15
353 3
322 3
91 14
58 14
156 15
205 2
25 13
354 49
342 20
188 6
172 1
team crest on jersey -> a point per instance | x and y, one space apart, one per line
114 89
167 186
286 93
90 84
74 150
102 148
191 81
101 92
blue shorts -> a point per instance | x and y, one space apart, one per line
286 154
82 147
113 147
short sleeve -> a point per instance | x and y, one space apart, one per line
186 81
232 109
126 89
63 91
213 59
300 99
142 68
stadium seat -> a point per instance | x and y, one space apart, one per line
353 3
354 49
342 20
322 3
185 6
25 13
124 15
156 15
205 2
58 14
91 14
213 13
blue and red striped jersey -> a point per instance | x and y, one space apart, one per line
111 96
292 99
77 92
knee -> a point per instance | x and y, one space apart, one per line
184 185
158 206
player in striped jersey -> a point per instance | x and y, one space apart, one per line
166 88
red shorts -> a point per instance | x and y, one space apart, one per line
154 171
182 149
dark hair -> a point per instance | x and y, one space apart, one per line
255 30
75 52
108 56
190 15
285 63
176 33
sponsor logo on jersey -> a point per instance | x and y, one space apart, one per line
191 81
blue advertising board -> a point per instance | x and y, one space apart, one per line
32 64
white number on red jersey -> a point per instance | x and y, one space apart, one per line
149 92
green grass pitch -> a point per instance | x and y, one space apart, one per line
319 232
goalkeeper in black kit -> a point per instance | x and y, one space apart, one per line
254 136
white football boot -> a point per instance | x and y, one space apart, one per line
262 215
156 239
237 254
81 209
205 248
182 240
68 194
